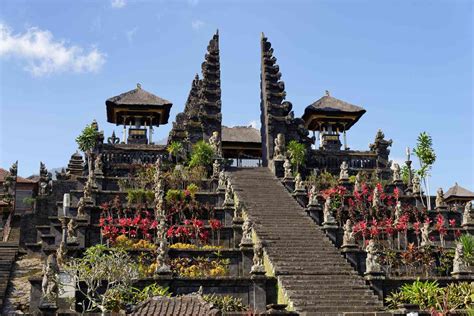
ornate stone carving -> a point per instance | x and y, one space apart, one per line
396 177
216 169
49 284
215 143
287 167
98 165
280 150
299 184
113 140
313 196
416 185
228 198
61 254
466 215
246 232
88 188
81 204
328 218
357 184
344 173
371 262
459 262
348 237
221 185
71 230
376 199
45 180
162 258
425 235
398 212
258 266
439 202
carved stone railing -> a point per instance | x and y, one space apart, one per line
332 160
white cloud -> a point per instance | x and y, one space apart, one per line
117 4
197 24
131 34
44 55
254 124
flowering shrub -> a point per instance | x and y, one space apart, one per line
200 267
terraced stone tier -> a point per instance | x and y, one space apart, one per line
311 271
8 252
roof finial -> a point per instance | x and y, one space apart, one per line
217 32
139 86
327 93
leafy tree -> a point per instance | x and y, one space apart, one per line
297 152
87 140
405 174
175 149
426 156
202 155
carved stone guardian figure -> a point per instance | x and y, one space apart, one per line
459 262
299 184
88 189
98 165
246 233
228 198
81 204
215 143
344 173
49 284
439 202
162 258
287 167
371 262
313 196
61 254
328 218
398 212
466 215
279 150
357 185
348 237
71 230
221 185
216 169
257 266
396 177
425 235
44 182
416 185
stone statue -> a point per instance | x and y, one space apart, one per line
222 181
376 198
396 177
357 186
215 143
371 262
246 232
228 198
466 215
348 237
49 284
287 167
61 254
98 165
328 218
439 202
416 184
162 258
81 204
88 189
398 212
459 262
216 169
344 173
279 150
425 235
258 258
71 230
313 196
299 184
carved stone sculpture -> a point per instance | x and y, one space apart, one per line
328 218
49 284
425 235
313 196
396 177
344 173
398 212
357 186
216 169
222 181
299 184
416 185
466 215
71 230
459 262
439 202
98 165
228 198
348 237
376 199
257 266
61 254
246 232
371 262
279 150
215 143
162 258
287 167
88 189
44 182
81 204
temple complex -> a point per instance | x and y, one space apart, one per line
188 228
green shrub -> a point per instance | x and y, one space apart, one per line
174 195
467 242
193 189
297 152
226 303
139 196
202 155
87 140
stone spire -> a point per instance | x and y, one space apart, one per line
210 90
276 114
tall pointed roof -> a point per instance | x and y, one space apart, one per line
332 109
138 102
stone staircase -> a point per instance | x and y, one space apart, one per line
314 276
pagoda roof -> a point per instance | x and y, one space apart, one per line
330 109
457 192
138 102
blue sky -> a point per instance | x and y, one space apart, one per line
409 63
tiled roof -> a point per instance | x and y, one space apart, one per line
192 304
4 173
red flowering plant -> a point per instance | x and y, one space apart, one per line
441 228
216 226
178 210
192 231
337 195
